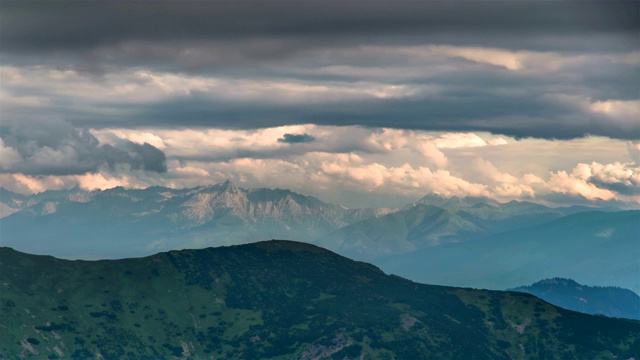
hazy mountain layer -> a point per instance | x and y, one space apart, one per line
474 242
434 221
128 222
120 222
566 293
596 248
278 300
11 202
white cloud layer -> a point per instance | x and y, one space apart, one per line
367 166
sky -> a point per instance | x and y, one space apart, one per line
357 103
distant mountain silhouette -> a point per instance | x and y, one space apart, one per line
566 293
601 248
433 221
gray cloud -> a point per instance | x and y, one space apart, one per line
525 115
319 44
629 189
139 157
620 180
36 26
56 148
296 138
496 101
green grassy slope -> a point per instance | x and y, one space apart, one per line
277 300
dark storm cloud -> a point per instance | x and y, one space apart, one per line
71 26
138 157
293 41
624 186
296 138
56 148
519 116
620 188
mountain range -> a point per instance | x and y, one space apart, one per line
278 300
596 248
435 220
475 242
609 301
137 222
130 222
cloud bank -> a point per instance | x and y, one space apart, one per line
355 166
368 105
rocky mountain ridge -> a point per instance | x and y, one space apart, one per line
159 218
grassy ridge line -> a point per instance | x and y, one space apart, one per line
277 300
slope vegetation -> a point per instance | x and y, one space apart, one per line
277 300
